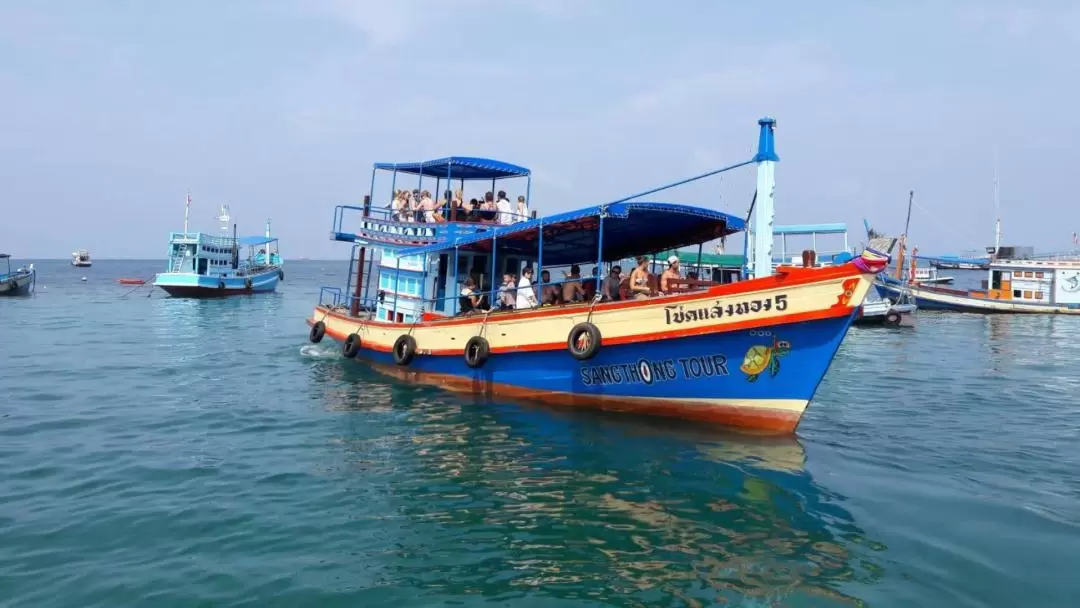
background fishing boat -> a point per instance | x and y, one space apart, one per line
204 265
18 282
749 353
81 258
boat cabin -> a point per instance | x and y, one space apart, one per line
1034 281
220 256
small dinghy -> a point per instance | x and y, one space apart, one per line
132 281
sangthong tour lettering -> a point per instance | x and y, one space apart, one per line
645 371
678 314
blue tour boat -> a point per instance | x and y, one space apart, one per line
19 282
208 266
749 353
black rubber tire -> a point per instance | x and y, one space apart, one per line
477 352
592 346
318 330
247 284
221 285
404 349
281 275
892 318
351 346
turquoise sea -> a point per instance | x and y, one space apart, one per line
161 452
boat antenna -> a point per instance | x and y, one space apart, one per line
997 211
187 210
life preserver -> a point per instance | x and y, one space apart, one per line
247 283
404 349
13 285
892 318
281 275
477 351
318 330
583 341
351 346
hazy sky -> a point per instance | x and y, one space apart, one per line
109 111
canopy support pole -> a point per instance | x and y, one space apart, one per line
397 276
457 286
491 298
538 272
766 159
600 250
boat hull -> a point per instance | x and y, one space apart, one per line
16 285
187 285
954 300
756 372
82 264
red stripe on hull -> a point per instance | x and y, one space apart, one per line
763 419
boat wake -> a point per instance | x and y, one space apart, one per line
318 351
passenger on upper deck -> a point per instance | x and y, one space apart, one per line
526 296
522 209
506 212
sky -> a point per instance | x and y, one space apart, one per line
111 111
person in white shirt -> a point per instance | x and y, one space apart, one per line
526 296
506 212
522 209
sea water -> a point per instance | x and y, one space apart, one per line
170 452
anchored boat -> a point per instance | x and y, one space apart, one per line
19 282
749 353
81 258
207 266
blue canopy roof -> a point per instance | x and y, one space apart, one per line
458 167
252 241
630 229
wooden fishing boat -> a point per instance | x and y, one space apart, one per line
748 354
210 266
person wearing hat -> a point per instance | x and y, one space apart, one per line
670 275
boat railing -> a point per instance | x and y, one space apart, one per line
383 220
1057 255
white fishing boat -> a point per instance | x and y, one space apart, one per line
81 258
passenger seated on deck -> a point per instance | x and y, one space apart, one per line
670 276
610 288
526 295
639 279
470 299
507 293
549 293
571 289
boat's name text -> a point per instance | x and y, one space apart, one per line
652 372
679 313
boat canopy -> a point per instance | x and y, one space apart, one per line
253 241
804 229
4 255
458 167
630 228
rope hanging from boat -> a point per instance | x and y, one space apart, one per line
683 181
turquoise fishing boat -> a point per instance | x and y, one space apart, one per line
209 266
19 282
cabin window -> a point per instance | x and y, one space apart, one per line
462 266
1038 295
1006 276
1027 295
1016 294
995 279
1038 275
202 266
